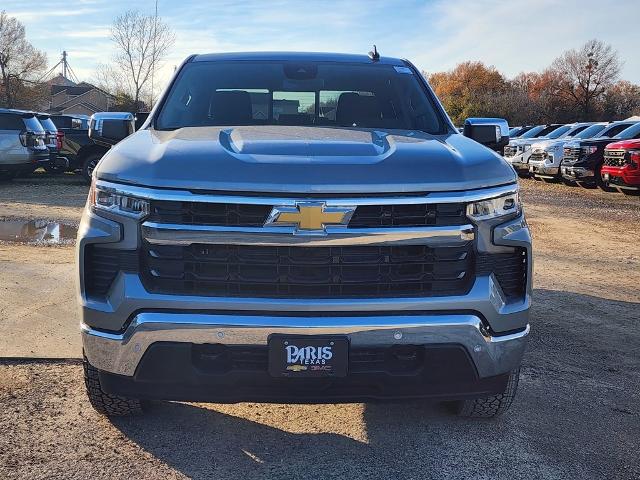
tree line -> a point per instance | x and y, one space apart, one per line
580 85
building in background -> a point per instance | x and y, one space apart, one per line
78 98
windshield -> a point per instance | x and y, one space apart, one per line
590 132
533 132
613 130
301 94
560 131
631 132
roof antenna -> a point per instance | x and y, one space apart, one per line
374 56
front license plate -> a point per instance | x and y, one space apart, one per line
308 356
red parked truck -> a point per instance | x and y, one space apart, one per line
621 168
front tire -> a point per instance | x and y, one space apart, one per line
89 165
493 406
105 403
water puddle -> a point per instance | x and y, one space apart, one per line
42 232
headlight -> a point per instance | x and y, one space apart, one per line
110 200
527 146
505 206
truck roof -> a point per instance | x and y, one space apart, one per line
295 56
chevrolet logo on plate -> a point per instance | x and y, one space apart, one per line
309 217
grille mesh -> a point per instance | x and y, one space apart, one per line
615 158
510 270
571 155
101 266
365 216
308 272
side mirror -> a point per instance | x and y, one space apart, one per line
108 128
490 132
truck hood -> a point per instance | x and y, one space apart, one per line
550 144
624 145
528 141
303 160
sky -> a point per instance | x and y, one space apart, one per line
513 36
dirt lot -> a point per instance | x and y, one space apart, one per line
577 414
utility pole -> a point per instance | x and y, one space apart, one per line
64 64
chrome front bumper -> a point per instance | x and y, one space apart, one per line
577 173
520 162
121 353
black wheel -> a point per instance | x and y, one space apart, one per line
89 165
523 174
537 179
631 193
569 183
105 403
488 407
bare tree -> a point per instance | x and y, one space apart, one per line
142 42
586 74
20 62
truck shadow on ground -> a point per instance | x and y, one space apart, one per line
570 389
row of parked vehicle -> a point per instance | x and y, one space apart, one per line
57 143
589 154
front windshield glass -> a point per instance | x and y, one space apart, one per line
612 130
631 132
558 132
590 132
298 93
533 132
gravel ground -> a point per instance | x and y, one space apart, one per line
577 414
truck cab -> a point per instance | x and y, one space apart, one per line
303 227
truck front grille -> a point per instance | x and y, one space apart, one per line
255 215
615 158
308 272
537 157
571 155
510 151
199 213
371 216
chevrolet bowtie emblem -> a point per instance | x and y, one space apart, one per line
309 217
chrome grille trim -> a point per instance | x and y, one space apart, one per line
175 234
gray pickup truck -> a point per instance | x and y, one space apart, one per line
292 227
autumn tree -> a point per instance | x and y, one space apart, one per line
20 64
467 90
622 100
142 42
585 75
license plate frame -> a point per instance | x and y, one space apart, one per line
308 356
